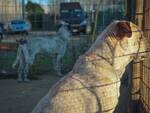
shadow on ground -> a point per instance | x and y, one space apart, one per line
22 97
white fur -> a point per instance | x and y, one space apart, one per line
93 84
54 46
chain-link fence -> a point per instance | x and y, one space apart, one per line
145 71
41 12
44 19
145 87
140 92
10 9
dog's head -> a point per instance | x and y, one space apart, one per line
64 32
131 37
21 41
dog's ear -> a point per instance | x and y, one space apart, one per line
123 30
21 41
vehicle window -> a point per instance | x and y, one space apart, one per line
77 10
17 22
65 13
77 13
72 13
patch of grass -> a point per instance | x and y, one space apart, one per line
41 64
6 62
44 62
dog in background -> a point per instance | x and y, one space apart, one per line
54 45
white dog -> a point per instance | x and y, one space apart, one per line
28 49
93 84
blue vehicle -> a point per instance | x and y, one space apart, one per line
73 14
17 26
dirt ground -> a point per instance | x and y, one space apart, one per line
22 97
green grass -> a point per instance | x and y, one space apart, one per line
42 62
6 62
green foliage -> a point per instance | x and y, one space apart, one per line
6 62
43 62
34 8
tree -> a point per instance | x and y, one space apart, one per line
34 8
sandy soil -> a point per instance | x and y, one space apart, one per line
22 97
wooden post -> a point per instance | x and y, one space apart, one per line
137 67
135 88
23 9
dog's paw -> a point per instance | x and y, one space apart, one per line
19 80
27 80
14 66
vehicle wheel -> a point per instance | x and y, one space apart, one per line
26 32
1 36
83 32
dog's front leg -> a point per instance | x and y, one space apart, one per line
54 62
58 65
26 71
20 71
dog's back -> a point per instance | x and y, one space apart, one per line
93 84
28 49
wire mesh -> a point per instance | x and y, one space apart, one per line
43 18
145 88
145 71
46 21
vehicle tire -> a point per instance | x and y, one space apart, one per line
26 33
1 36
